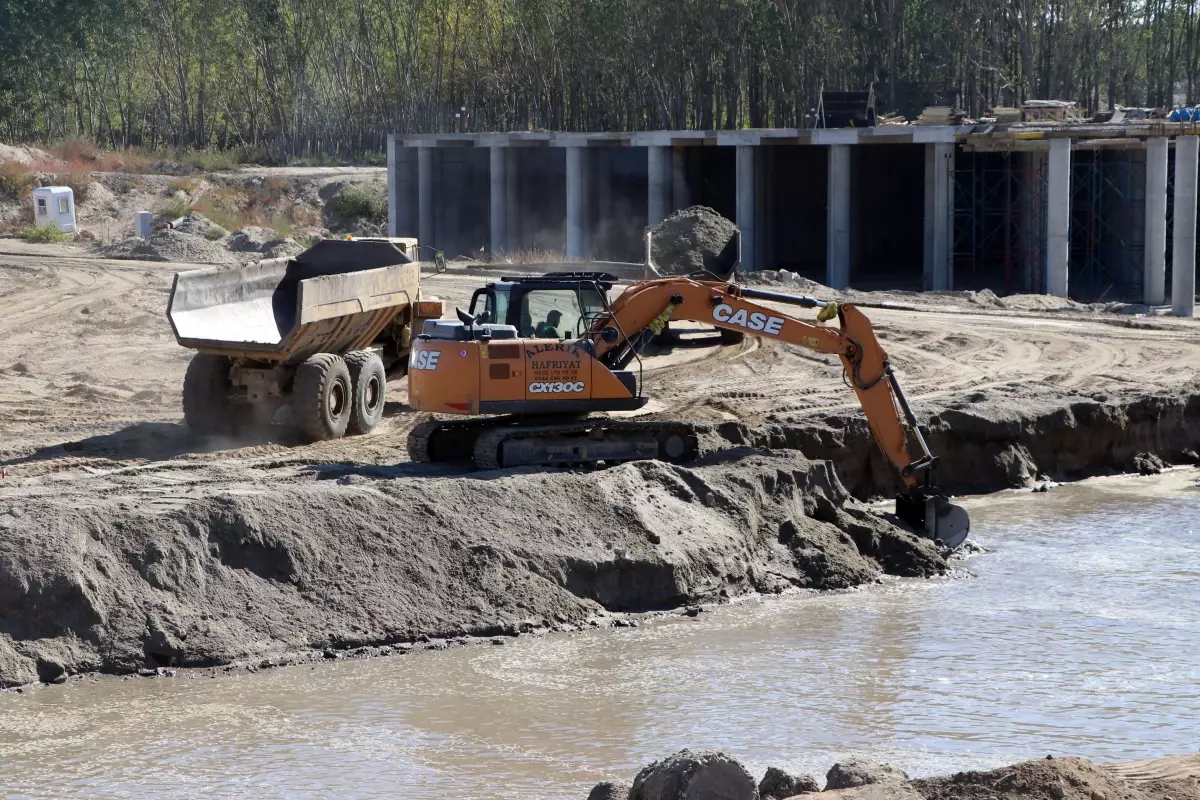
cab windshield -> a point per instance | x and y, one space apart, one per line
565 313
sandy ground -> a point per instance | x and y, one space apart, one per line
88 361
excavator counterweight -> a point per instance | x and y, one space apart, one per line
540 355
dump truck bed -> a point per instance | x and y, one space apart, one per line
335 297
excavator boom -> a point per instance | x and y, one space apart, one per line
488 365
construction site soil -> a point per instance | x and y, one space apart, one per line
126 544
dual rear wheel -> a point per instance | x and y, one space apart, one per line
334 395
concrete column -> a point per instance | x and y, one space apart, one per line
1183 256
425 215
680 192
393 188
658 196
1058 217
746 196
576 203
499 200
1155 275
939 215
512 200
837 264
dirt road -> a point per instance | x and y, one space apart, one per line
91 372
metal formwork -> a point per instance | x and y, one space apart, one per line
1108 211
1000 221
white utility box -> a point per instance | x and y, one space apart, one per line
54 205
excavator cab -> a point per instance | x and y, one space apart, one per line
529 303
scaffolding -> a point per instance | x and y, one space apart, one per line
1107 234
1000 221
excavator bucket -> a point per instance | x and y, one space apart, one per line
931 514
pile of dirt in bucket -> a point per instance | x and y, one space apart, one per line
693 240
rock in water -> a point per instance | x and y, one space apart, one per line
695 239
694 775
609 790
856 772
779 784
1149 464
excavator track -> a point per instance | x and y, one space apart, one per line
494 443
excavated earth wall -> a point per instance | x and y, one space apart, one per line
339 559
1002 438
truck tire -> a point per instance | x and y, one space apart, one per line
370 390
731 337
322 397
206 386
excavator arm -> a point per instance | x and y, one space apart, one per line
644 308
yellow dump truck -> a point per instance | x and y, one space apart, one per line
306 341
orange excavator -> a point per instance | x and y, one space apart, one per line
540 357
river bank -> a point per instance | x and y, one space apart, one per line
689 774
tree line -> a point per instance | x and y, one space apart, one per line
302 77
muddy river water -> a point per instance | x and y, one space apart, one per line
1078 634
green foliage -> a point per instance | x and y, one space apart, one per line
214 233
174 208
208 84
362 202
43 234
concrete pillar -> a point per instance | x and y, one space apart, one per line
512 200
1183 255
393 188
680 191
837 264
746 197
425 198
658 197
939 215
1155 275
576 203
499 200
1058 217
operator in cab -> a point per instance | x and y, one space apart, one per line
549 328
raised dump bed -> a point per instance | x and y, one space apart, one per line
314 334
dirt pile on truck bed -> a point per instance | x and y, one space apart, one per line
342 556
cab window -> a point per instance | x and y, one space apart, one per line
551 314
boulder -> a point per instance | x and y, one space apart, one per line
695 775
778 784
15 669
609 790
860 772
